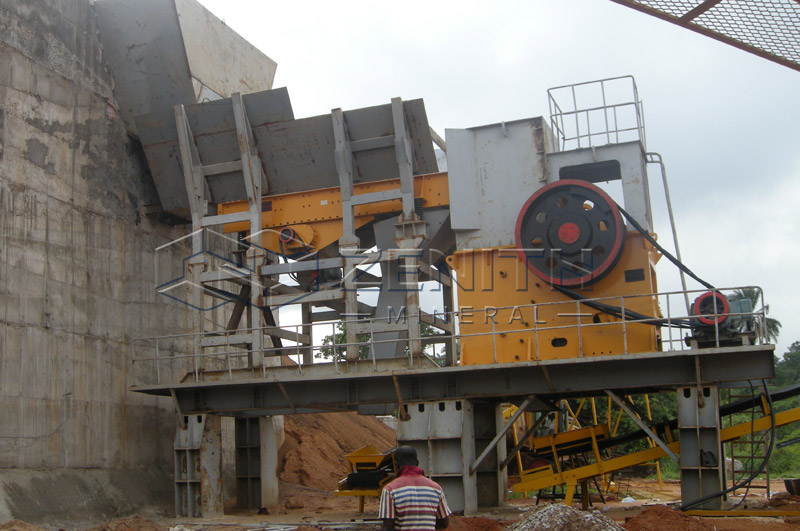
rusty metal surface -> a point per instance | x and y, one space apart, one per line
767 28
296 155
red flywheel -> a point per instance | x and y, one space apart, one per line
570 233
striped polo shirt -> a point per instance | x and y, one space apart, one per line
413 501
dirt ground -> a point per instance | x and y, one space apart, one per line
312 462
316 509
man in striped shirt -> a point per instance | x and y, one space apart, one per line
412 502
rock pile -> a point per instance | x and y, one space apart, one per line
559 517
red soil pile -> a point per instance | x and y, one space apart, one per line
785 501
315 446
133 523
475 523
662 518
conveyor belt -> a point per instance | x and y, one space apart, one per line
660 428
543 478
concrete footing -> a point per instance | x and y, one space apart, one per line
83 497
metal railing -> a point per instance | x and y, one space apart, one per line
596 113
226 359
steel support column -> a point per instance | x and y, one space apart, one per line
198 466
701 451
271 438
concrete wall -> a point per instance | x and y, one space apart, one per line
76 258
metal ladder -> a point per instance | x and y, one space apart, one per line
748 450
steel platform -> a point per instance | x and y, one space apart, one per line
366 384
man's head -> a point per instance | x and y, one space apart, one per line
405 456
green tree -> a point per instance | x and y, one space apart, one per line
787 368
785 462
662 408
333 345
772 326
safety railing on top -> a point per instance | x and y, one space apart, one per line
595 113
172 355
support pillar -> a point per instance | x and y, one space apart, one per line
258 440
442 434
308 330
350 315
701 457
272 437
409 237
491 482
198 466
248 463
211 502
448 435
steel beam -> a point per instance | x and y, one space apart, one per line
501 433
438 140
376 197
523 440
638 420
404 156
311 264
323 387
210 221
345 167
253 176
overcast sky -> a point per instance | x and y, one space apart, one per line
726 122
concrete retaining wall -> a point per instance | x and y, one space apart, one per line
76 257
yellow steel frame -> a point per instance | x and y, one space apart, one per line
575 433
536 322
316 218
573 476
574 421
567 439
371 457
321 209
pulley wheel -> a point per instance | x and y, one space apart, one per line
570 233
703 308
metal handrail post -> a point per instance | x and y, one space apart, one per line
494 342
624 328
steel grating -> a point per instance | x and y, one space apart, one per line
767 28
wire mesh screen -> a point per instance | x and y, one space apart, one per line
676 8
768 28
